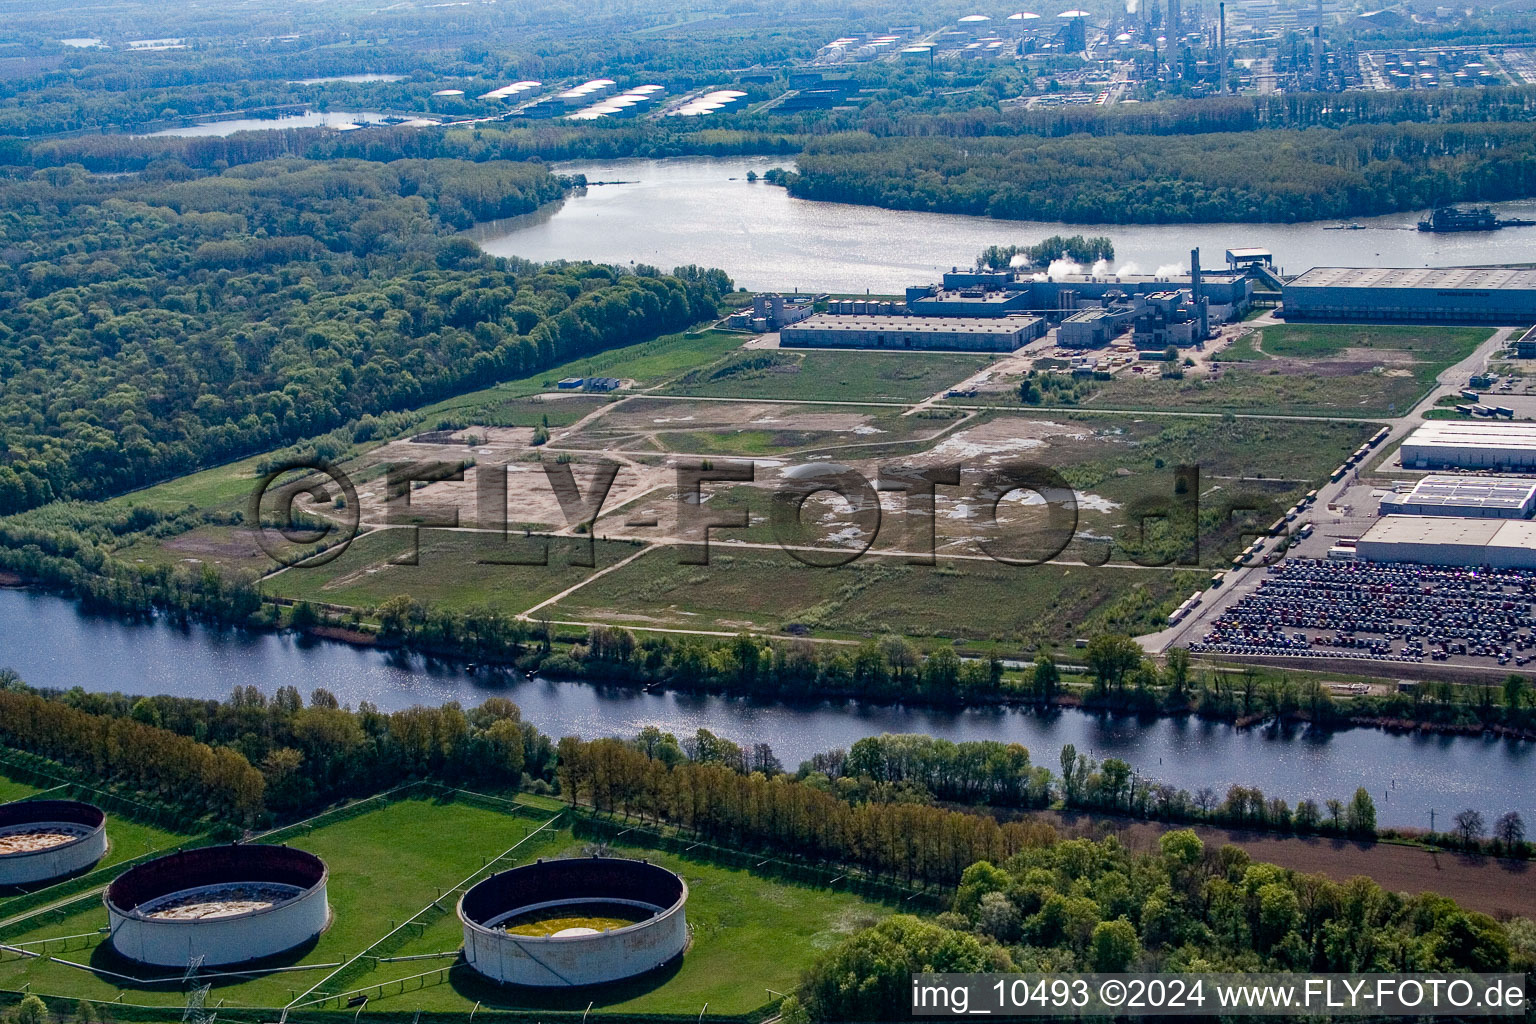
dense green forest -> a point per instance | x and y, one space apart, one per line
1283 175
155 324
1077 905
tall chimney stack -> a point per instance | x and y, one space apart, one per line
1317 48
1197 295
1222 47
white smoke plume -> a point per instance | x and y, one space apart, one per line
1131 5
1168 270
1129 268
1099 268
1062 268
1018 261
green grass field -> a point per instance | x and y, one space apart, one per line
1305 369
450 571
1240 351
769 591
403 862
820 375
1432 346
647 363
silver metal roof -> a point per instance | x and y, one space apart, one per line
1473 434
1006 325
1446 278
1471 492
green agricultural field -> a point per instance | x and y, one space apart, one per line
704 427
1305 369
1240 351
768 591
230 548
1431 346
822 375
647 363
396 871
451 571
211 488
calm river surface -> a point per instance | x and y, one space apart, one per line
51 643
704 211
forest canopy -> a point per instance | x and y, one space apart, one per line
155 324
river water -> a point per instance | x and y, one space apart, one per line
54 644
704 211
308 119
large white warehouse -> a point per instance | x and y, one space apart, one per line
952 333
1464 444
1446 540
1471 497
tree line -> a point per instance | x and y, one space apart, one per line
1057 247
1271 175
251 758
1078 905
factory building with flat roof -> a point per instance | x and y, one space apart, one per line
1469 444
1450 294
956 334
1446 540
1470 497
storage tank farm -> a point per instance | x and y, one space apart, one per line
226 904
41 840
568 923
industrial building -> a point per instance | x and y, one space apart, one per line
1469 444
771 311
225 904
970 300
1451 294
957 334
42 840
520 925
1095 326
1198 299
1470 497
1446 540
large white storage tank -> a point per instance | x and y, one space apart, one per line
227 904
42 840
566 923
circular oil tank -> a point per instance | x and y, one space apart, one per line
46 839
568 923
228 904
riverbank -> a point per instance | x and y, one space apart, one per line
566 656
58 644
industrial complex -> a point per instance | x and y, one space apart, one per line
42 840
564 923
